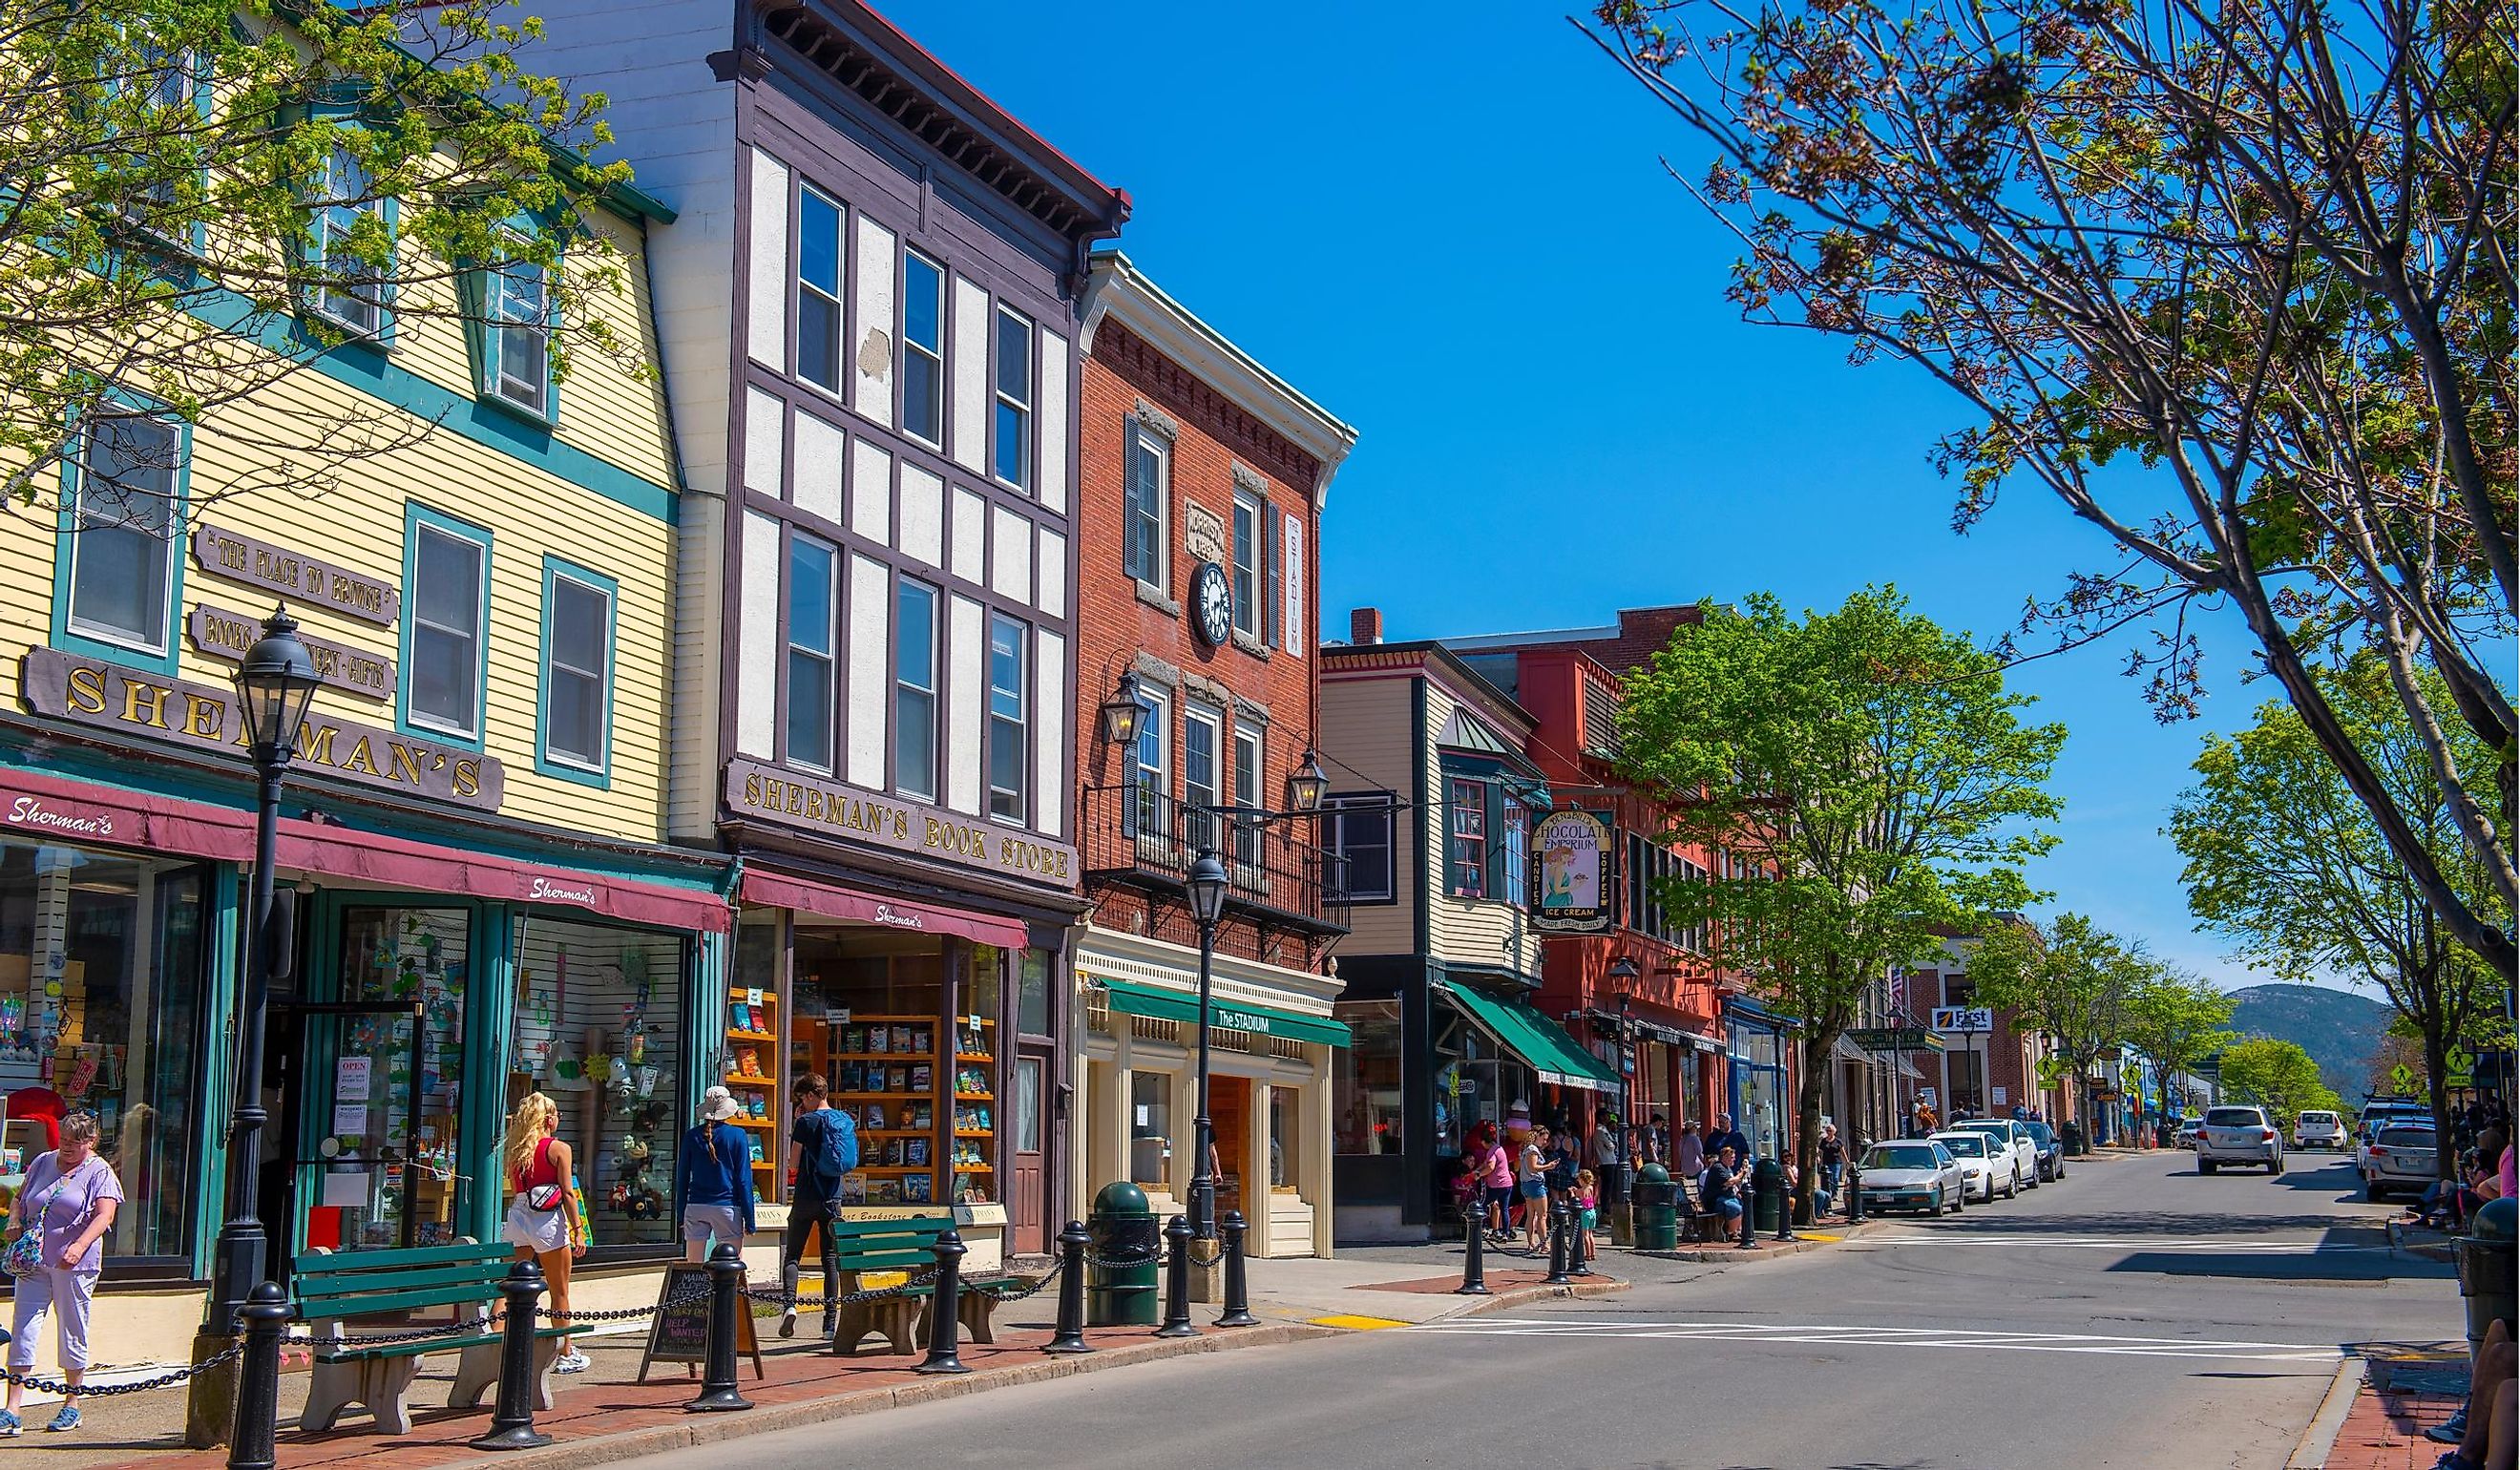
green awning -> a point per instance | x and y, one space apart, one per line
1159 1003
1536 1039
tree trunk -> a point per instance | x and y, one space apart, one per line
1818 1048
2437 1042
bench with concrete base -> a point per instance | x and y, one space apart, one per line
863 1247
378 1293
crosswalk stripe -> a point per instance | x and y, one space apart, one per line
1861 1335
2229 1244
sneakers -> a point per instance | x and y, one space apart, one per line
67 1419
788 1322
9 1425
2455 1461
2450 1431
830 1323
571 1361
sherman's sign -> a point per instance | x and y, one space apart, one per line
201 717
220 634
294 574
847 814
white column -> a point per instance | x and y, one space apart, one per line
1255 1170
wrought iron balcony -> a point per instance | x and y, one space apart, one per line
1133 833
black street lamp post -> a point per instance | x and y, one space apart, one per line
274 684
1206 884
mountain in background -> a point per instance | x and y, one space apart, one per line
2340 1030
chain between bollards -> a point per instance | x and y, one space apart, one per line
1237 1284
1557 1275
945 1308
511 1425
719 1374
1177 1238
254 1439
1068 1334
1474 1256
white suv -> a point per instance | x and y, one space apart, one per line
2318 1130
2238 1135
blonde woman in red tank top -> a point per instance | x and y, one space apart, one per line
543 1212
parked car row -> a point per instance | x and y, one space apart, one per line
2394 1142
2239 1137
1975 1160
2395 1147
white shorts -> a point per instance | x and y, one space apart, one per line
537 1231
713 1226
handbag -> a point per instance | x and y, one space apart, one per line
25 1254
542 1197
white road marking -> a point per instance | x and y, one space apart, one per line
2240 1244
1858 1335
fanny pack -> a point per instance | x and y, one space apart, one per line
544 1197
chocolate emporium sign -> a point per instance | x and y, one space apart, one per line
847 814
203 717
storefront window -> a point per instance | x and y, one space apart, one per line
1758 1091
1032 994
391 1143
1150 1129
599 1026
1365 1097
101 978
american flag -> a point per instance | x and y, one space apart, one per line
1898 992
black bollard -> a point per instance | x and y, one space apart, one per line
1557 1242
512 1424
1176 1242
1068 1335
1854 1190
1238 1286
1784 1209
718 1373
945 1308
1474 1257
253 1441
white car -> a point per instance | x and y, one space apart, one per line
1979 1156
2185 1136
2318 1130
2238 1135
2017 1146
1913 1174
2405 1156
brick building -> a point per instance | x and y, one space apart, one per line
1986 1073
1202 480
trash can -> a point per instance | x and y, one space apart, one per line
1123 1227
1657 1207
1768 1195
2485 1268
2072 1133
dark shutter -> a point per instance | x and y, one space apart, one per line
1273 594
1133 489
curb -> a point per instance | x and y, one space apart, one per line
2319 1438
1525 1296
710 1429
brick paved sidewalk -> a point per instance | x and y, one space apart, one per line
2385 1428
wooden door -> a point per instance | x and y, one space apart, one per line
1027 1185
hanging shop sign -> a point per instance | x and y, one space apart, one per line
217 633
1573 873
203 717
1971 1018
295 575
847 814
1895 1039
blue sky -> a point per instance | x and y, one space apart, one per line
1453 228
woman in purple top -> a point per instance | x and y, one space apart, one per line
70 1195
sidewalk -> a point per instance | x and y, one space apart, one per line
2398 1393
605 1414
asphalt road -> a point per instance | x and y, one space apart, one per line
2134 1314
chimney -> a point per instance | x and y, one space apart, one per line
1364 625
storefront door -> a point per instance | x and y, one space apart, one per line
1028 1083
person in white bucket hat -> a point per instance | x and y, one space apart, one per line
713 1178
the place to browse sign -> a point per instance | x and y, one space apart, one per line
295 575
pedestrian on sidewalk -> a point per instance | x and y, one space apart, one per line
1654 1141
1832 1166
1496 1178
2489 1437
1609 1158
546 1218
1531 1185
713 1178
1719 1192
1723 1134
69 1199
1588 1212
1688 1150
821 1150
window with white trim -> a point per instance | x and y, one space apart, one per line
1007 718
1147 487
1247 514
1466 847
1247 769
520 334
1151 765
813 604
914 689
818 289
1515 885
1200 730
446 616
1015 398
121 547
923 348
352 295
577 676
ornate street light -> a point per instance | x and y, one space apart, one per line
1122 711
1206 885
1308 786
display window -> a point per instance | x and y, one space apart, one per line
392 1135
599 1025
1366 1089
103 967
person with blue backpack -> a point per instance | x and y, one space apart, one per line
823 1150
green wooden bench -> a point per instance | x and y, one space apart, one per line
376 1292
860 1247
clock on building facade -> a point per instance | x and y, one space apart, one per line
1212 603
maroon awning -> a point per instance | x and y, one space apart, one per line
776 891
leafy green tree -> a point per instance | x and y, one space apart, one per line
2174 1020
1872 776
2236 284
2072 980
2277 1076
205 197
2283 858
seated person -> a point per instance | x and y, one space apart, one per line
2488 1439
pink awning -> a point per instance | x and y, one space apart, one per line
773 891
49 808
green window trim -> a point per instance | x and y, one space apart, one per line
481 299
599 774
67 534
344 114
416 518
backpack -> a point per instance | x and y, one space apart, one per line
837 1154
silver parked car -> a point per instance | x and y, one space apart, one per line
1913 1174
2238 1135
2403 1156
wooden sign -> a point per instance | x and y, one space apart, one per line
217 633
238 558
680 1333
845 813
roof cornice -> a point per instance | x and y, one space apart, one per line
1115 287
